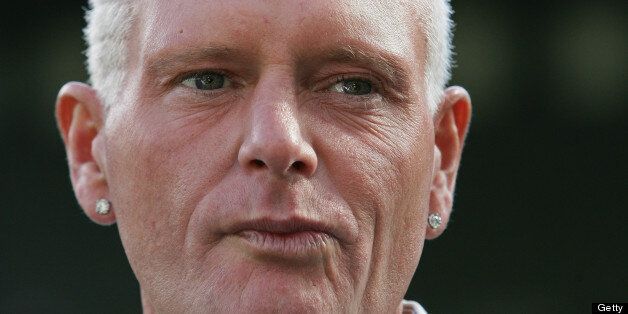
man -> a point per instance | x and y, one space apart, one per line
267 156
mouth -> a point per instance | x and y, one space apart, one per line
289 239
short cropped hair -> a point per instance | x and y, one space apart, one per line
110 23
108 31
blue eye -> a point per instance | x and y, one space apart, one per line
207 81
352 87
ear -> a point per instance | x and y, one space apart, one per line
79 116
451 123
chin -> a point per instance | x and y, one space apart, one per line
268 298
261 287
287 306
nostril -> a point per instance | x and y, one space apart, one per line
298 165
258 163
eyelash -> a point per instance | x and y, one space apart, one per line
375 94
178 80
375 83
349 77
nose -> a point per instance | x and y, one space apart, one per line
274 143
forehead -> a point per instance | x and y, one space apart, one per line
281 28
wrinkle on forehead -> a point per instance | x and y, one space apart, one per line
271 32
194 20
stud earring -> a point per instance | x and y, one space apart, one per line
103 206
434 220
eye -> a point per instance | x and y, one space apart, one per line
207 81
352 87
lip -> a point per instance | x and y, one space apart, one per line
292 238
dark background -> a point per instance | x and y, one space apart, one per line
540 220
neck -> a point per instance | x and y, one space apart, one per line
147 308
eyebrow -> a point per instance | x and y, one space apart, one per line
162 63
384 63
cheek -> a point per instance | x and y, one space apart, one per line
382 163
385 186
383 170
166 158
158 171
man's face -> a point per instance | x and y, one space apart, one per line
272 155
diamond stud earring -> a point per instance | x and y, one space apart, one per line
434 220
103 206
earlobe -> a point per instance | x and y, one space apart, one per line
80 116
451 123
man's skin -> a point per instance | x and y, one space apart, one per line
270 156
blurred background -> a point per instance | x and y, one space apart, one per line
541 214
